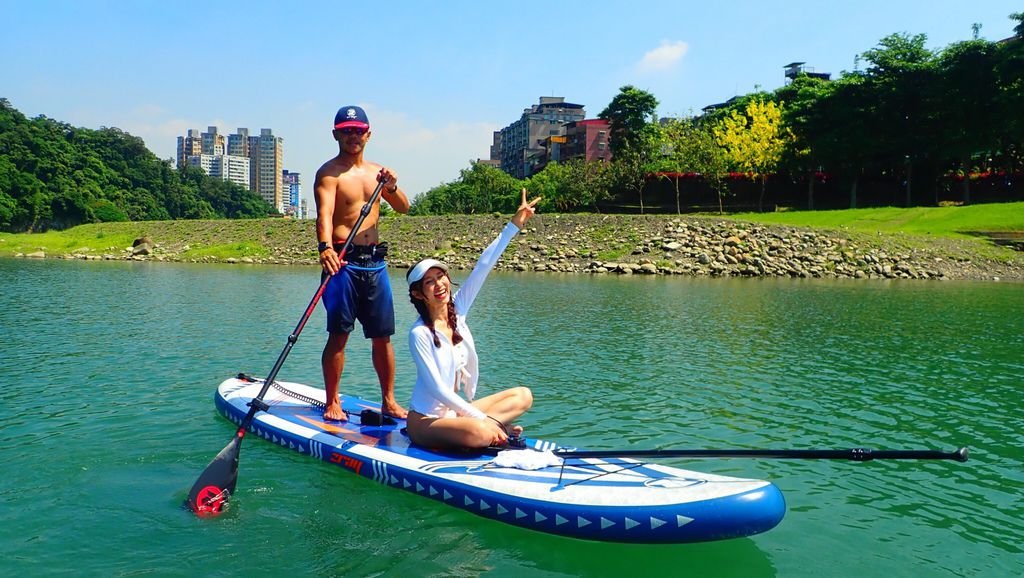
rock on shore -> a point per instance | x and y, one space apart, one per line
609 244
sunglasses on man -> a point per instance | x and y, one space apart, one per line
353 130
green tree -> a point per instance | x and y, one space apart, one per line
690 147
967 74
551 183
838 130
105 211
481 188
754 142
490 189
629 170
1009 102
1019 28
629 115
806 118
589 183
570 186
226 198
900 75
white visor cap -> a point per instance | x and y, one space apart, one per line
420 269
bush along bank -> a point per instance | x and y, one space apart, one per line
597 244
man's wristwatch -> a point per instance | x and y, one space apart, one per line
322 246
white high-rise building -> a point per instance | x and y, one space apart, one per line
269 167
254 162
226 167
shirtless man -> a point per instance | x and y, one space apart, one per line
360 288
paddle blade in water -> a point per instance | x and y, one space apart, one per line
211 492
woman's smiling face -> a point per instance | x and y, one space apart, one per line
436 287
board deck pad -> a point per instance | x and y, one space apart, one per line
609 499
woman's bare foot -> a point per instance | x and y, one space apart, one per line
515 437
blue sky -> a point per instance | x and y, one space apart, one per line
436 78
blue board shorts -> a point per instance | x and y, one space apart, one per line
361 290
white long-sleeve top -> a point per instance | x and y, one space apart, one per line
439 370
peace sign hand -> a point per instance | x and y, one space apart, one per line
526 210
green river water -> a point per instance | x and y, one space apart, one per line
108 372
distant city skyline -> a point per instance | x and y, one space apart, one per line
253 162
438 79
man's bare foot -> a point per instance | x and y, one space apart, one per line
394 410
333 412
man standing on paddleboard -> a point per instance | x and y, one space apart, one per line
360 288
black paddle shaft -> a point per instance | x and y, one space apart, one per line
210 494
856 454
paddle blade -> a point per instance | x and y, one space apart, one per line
211 492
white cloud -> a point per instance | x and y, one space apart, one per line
422 156
663 57
152 123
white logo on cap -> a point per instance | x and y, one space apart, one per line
351 113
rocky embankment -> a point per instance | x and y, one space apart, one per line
606 244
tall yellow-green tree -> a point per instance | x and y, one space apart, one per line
754 140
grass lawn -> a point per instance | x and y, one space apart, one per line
109 238
215 239
939 221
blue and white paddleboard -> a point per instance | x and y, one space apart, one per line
611 499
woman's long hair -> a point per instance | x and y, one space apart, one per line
421 308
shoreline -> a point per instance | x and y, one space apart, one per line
575 243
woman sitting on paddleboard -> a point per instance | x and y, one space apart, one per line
445 355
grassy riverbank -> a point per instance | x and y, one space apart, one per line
888 242
953 222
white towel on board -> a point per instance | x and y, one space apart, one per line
526 459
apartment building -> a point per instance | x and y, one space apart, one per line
226 167
213 143
587 139
269 155
188 146
519 149
292 184
240 144
253 162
